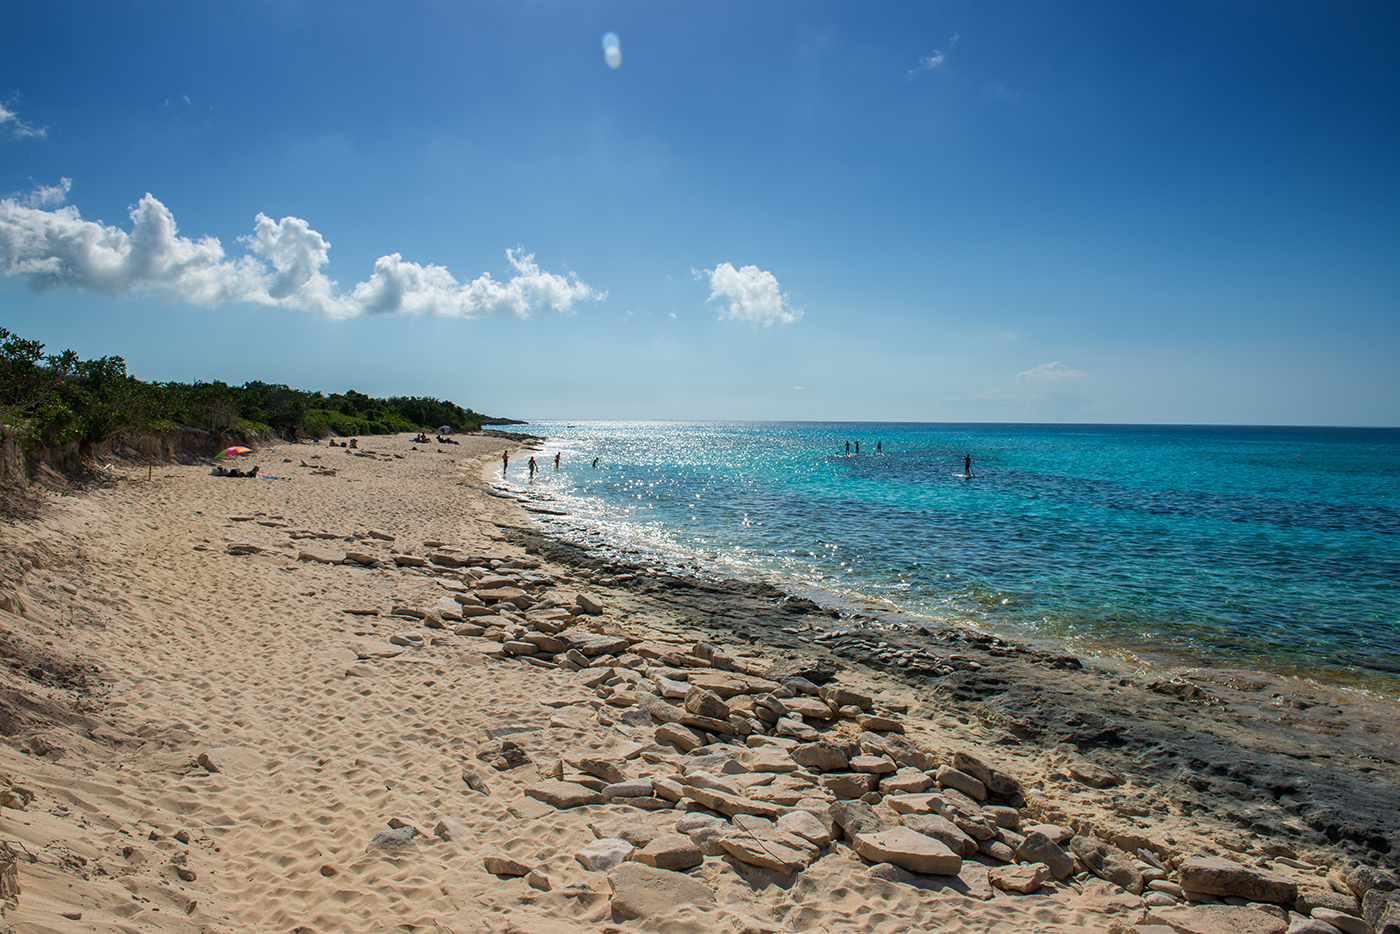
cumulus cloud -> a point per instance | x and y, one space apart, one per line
49 195
935 59
751 294
1048 372
11 123
282 267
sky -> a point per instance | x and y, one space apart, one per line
991 212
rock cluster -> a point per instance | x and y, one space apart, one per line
775 767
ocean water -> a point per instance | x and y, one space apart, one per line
1268 548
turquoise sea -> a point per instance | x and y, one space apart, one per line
1268 548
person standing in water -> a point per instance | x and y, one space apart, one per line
533 468
556 460
595 463
857 447
967 465
877 446
848 447
505 463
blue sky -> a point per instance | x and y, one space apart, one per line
1134 212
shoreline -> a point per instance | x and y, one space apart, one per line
861 611
199 616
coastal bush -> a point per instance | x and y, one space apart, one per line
56 400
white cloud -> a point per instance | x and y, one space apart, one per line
1047 372
936 58
12 124
51 195
752 295
58 249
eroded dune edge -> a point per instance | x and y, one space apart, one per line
365 694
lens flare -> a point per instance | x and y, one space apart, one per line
612 50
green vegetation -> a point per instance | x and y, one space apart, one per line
53 400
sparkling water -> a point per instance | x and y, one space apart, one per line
1270 548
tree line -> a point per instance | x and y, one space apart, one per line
56 399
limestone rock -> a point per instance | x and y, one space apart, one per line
806 825
321 555
602 855
767 854
821 756
1224 877
682 737
640 891
703 702
1381 910
996 781
1363 879
501 865
1216 919
563 794
1342 921
838 697
849 784
857 817
1108 863
908 850
950 777
592 644
673 851
1025 878
1093 774
728 684
1038 848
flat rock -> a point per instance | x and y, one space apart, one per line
1216 919
592 643
767 854
603 854
821 757
949 777
1038 848
914 803
730 805
638 832
1025 878
731 683
500 865
807 826
640 891
1224 877
908 850
563 794
770 759
672 851
1108 863
1342 921
856 817
945 832
321 555
374 648
995 780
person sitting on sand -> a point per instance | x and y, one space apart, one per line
354 442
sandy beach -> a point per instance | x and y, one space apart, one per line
365 693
